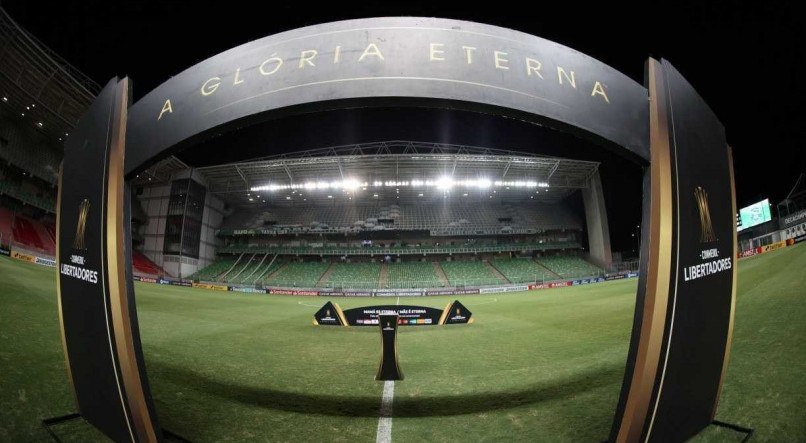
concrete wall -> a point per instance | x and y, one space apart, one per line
154 200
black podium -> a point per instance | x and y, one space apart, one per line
388 368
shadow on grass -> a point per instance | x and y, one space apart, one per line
368 406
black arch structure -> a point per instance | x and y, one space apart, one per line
685 300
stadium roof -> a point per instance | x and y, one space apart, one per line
403 171
38 85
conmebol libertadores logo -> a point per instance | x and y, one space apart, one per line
706 227
81 225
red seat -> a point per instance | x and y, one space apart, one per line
25 233
143 265
6 223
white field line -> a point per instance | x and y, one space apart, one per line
305 304
384 434
485 302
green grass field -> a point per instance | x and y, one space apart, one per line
538 366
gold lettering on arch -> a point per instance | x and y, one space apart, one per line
208 88
372 49
166 108
598 89
272 59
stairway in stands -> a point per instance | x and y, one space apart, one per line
441 274
383 279
326 275
496 272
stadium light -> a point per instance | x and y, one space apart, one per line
443 183
5 99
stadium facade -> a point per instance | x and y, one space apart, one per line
383 215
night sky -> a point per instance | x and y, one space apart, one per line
741 58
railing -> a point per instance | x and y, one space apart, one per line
400 250
434 229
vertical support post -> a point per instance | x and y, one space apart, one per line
655 275
389 368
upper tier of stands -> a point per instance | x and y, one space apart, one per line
480 218
21 150
20 185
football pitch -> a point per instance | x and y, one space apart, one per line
535 366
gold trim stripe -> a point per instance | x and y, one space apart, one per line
445 313
59 289
116 268
735 270
340 313
656 295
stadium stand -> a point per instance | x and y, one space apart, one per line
413 274
21 185
25 233
353 275
142 265
522 270
570 267
479 218
469 273
214 270
25 152
430 248
298 274
6 229
271 266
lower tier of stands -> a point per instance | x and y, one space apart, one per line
353 275
413 275
27 233
142 265
298 275
268 270
396 250
570 267
523 270
469 273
